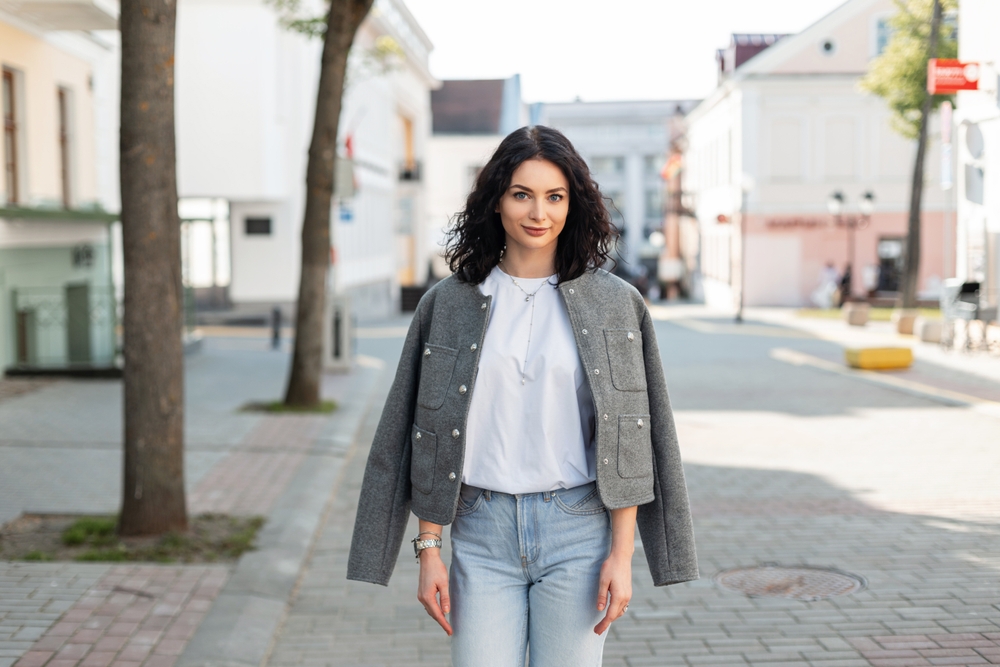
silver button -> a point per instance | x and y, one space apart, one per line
418 435
473 347
584 332
605 462
427 352
451 477
571 290
630 336
482 307
455 433
639 423
597 371
463 389
605 418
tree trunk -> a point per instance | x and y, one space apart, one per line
307 361
153 493
911 257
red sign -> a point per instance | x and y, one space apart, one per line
946 76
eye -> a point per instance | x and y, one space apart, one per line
521 196
555 198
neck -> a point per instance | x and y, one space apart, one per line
521 262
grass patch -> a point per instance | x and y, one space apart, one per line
210 538
98 531
278 407
874 314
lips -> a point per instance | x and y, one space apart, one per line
535 231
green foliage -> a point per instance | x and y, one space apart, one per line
899 75
98 531
279 407
382 58
39 556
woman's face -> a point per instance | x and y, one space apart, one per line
533 210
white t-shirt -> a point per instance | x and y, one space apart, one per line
537 436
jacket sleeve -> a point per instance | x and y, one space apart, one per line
665 524
384 503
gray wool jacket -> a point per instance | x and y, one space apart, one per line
419 447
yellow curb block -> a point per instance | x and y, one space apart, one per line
879 358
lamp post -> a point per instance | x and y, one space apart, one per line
835 204
746 186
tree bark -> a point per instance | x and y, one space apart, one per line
153 493
911 257
307 360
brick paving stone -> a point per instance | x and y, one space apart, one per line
153 598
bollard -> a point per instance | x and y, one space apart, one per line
275 328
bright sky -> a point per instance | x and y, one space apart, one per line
617 50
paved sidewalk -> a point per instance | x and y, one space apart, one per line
786 464
99 615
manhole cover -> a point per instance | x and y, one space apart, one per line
795 583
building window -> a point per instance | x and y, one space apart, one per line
10 137
654 204
608 165
615 202
258 226
65 147
883 33
652 166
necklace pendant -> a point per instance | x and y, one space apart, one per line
527 298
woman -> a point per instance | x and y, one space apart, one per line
529 411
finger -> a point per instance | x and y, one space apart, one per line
445 599
435 611
605 623
603 590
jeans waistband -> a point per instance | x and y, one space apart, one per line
545 495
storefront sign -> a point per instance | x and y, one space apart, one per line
946 76
796 223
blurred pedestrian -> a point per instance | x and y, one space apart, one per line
844 287
529 411
275 328
824 296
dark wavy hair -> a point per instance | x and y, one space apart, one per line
476 239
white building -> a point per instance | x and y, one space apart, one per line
977 147
58 190
246 97
788 126
626 145
470 119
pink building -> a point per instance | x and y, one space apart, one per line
787 128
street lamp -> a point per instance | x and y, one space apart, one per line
835 204
746 187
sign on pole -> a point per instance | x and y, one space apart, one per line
946 76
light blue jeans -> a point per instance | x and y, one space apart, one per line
524 572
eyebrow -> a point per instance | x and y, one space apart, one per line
527 189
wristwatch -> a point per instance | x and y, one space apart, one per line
419 545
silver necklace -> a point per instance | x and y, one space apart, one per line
531 320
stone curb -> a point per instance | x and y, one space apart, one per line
239 628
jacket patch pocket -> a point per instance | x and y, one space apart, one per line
635 446
436 368
628 369
423 462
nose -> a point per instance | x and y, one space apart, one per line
537 212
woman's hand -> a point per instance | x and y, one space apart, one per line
434 585
616 572
616 580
